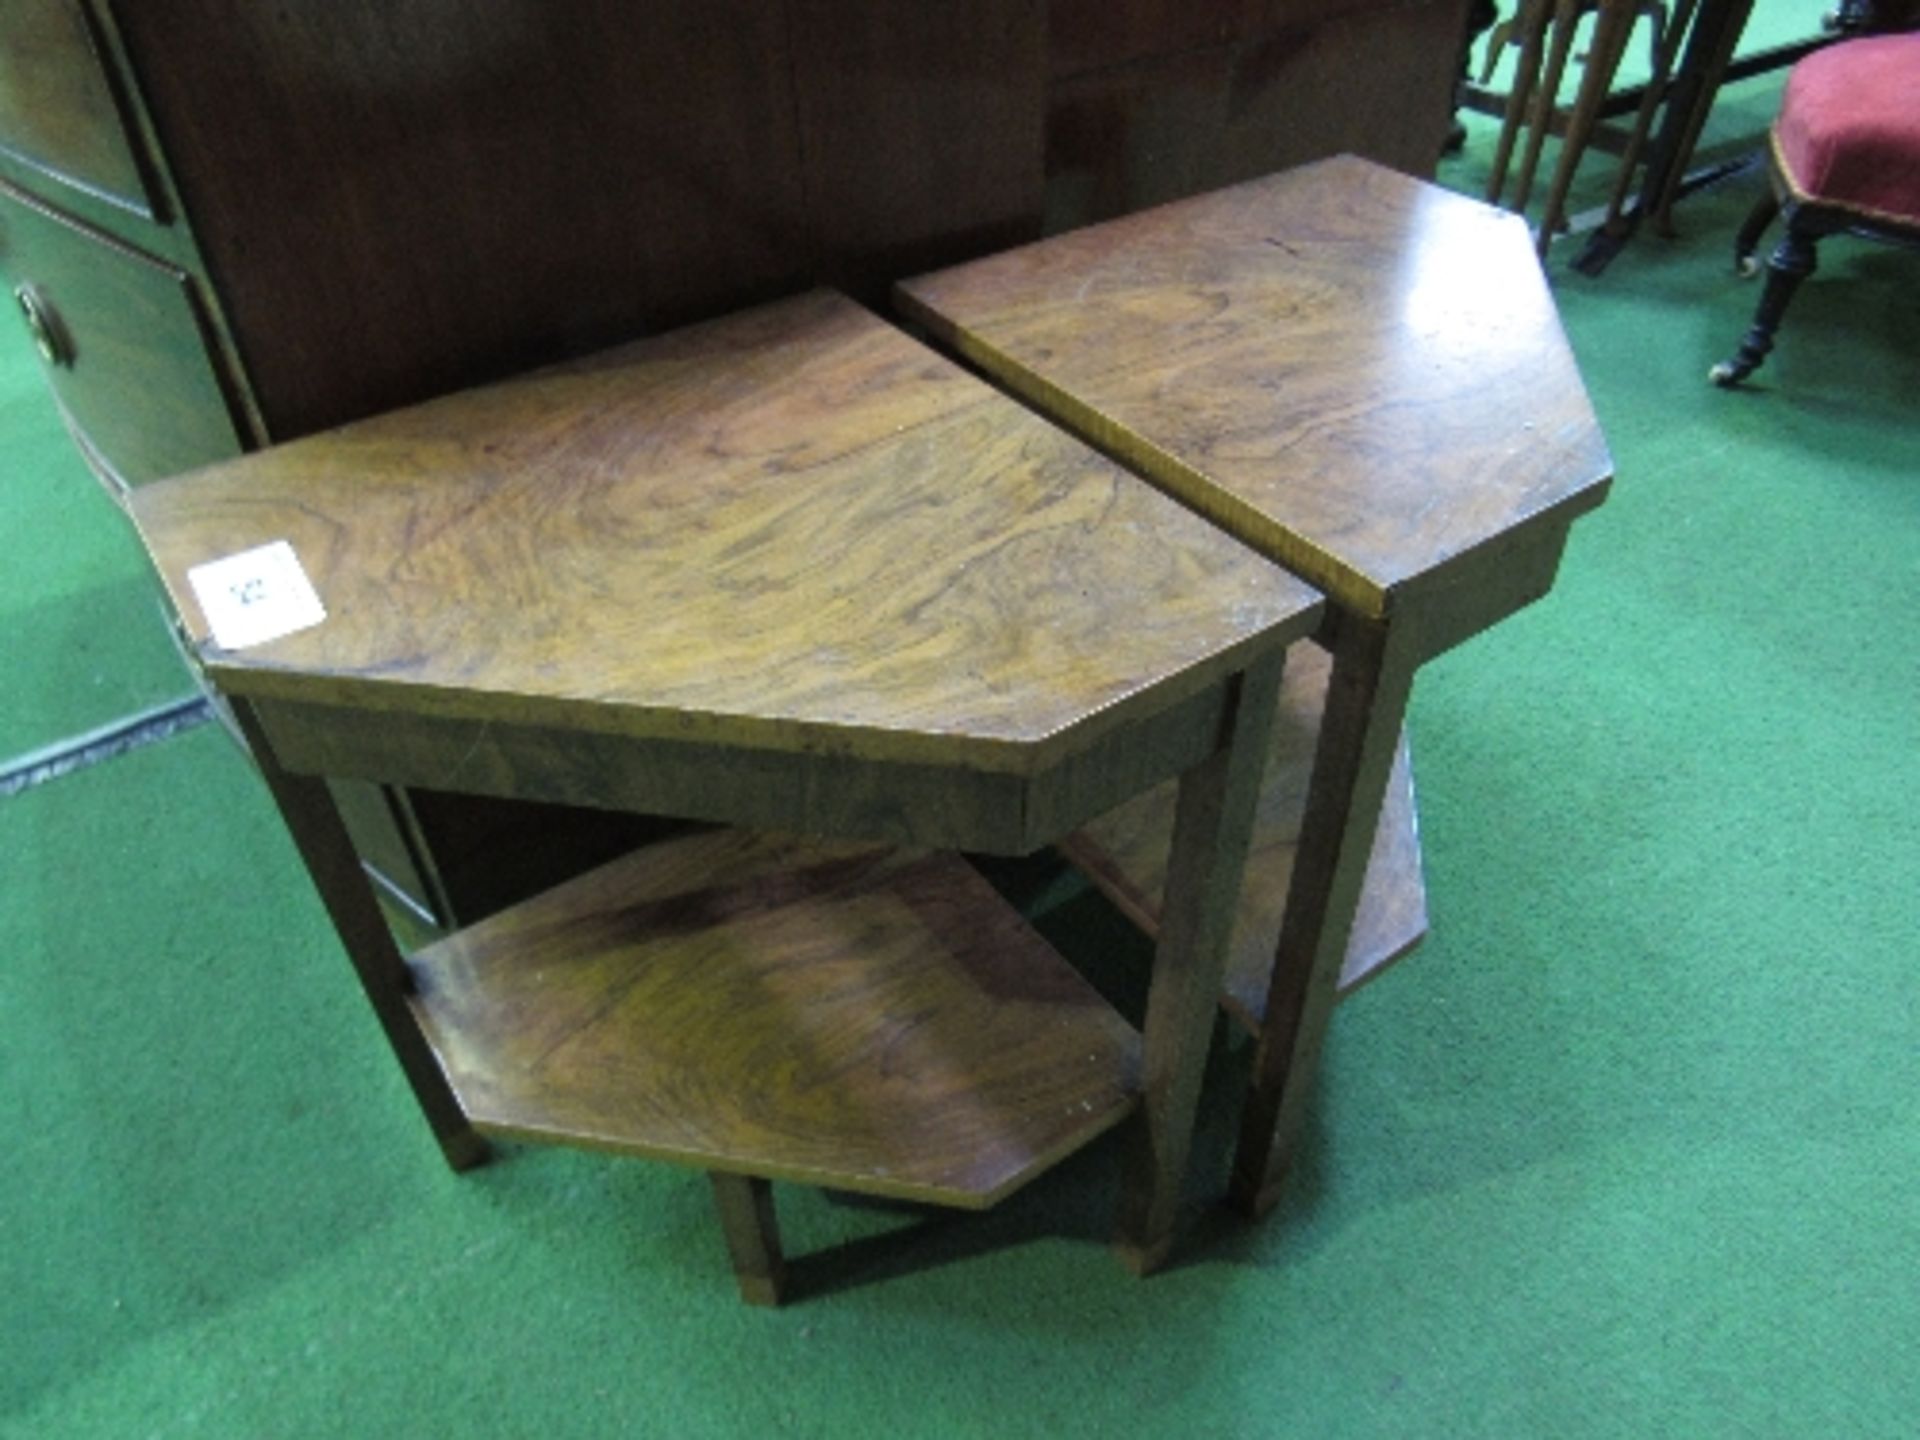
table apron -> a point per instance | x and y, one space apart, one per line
945 807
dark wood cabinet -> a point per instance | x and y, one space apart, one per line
124 336
240 223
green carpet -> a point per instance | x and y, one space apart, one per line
1629 1148
82 641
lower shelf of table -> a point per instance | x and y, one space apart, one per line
850 1016
1125 854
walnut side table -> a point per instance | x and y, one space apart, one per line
1363 377
790 570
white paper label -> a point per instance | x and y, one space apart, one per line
256 596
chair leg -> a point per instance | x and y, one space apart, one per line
1792 261
1751 229
1526 76
1667 42
1696 118
1613 26
1566 17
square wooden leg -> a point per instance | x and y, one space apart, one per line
307 807
1212 827
1360 729
745 1203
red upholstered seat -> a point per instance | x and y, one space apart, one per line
1846 159
1849 127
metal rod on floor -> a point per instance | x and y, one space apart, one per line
77 752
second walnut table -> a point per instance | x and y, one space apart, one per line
1364 378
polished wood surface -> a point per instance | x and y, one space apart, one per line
1125 853
1361 376
842 1015
794 529
789 569
1357 373
381 202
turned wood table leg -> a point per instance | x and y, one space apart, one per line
747 1218
1213 824
306 805
1373 668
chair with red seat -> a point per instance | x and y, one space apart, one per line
1844 157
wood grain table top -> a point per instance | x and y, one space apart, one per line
793 528
1361 375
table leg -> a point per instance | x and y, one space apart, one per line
1373 665
1717 26
306 805
1213 824
745 1203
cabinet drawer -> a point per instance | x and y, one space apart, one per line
124 341
61 110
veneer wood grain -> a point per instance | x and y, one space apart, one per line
792 529
789 569
1360 375
841 1015
1364 378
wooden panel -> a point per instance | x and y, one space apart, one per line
488 854
1089 35
1177 120
1261 18
1084 35
1293 88
401 200
1126 852
58 110
868 1020
134 374
921 127
1137 135
793 529
865 798
1360 375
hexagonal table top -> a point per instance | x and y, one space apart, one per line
1357 373
793 528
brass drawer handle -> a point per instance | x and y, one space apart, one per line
44 325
